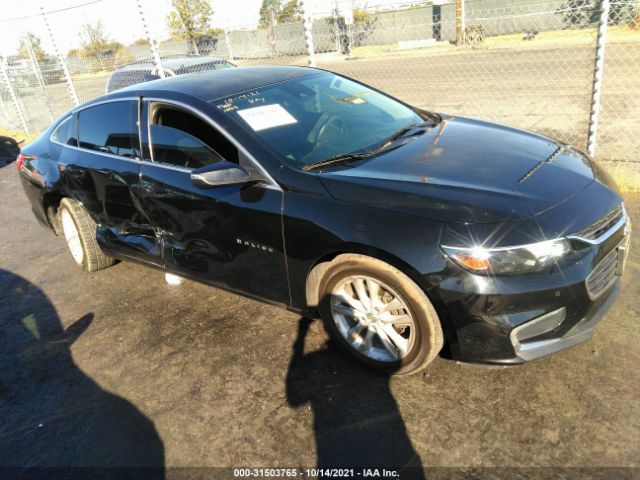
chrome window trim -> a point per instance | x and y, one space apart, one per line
76 111
105 154
139 125
272 183
102 102
606 235
168 166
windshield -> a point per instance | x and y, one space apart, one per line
313 118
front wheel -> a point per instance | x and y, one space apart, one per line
80 234
379 315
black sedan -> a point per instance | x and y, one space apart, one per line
405 230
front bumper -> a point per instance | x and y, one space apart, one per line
582 331
510 320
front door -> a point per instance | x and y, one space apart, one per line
229 236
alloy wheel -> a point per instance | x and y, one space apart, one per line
373 318
72 236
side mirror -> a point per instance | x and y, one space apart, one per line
219 175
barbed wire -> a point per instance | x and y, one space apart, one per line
49 12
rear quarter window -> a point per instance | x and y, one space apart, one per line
65 132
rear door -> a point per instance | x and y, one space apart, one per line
103 174
229 236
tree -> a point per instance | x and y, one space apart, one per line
364 24
139 42
290 12
268 18
189 20
97 46
40 54
94 39
576 13
269 12
621 12
586 13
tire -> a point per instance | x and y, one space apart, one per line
415 342
79 231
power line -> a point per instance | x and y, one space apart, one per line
14 19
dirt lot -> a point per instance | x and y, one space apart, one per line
117 368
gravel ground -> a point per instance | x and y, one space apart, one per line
117 368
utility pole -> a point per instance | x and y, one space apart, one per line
63 63
38 73
153 45
272 30
227 42
459 22
596 92
12 94
308 34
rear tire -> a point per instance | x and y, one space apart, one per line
379 315
79 231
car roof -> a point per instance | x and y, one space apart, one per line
214 84
171 63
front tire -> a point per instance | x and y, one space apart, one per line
379 315
79 231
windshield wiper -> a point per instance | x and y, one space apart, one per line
337 160
351 157
403 131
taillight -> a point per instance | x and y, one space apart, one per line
21 159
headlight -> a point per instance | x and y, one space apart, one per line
509 260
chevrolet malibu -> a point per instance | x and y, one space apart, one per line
405 230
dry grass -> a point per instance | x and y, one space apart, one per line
582 37
18 135
627 179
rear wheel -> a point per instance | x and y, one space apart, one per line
79 231
379 315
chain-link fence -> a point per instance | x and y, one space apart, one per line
566 68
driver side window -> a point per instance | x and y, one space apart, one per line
183 139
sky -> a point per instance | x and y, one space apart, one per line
122 21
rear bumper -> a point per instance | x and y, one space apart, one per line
34 191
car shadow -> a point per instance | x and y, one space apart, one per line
53 415
357 423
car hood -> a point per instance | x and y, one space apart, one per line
465 170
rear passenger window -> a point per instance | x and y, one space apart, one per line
110 128
65 133
180 138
